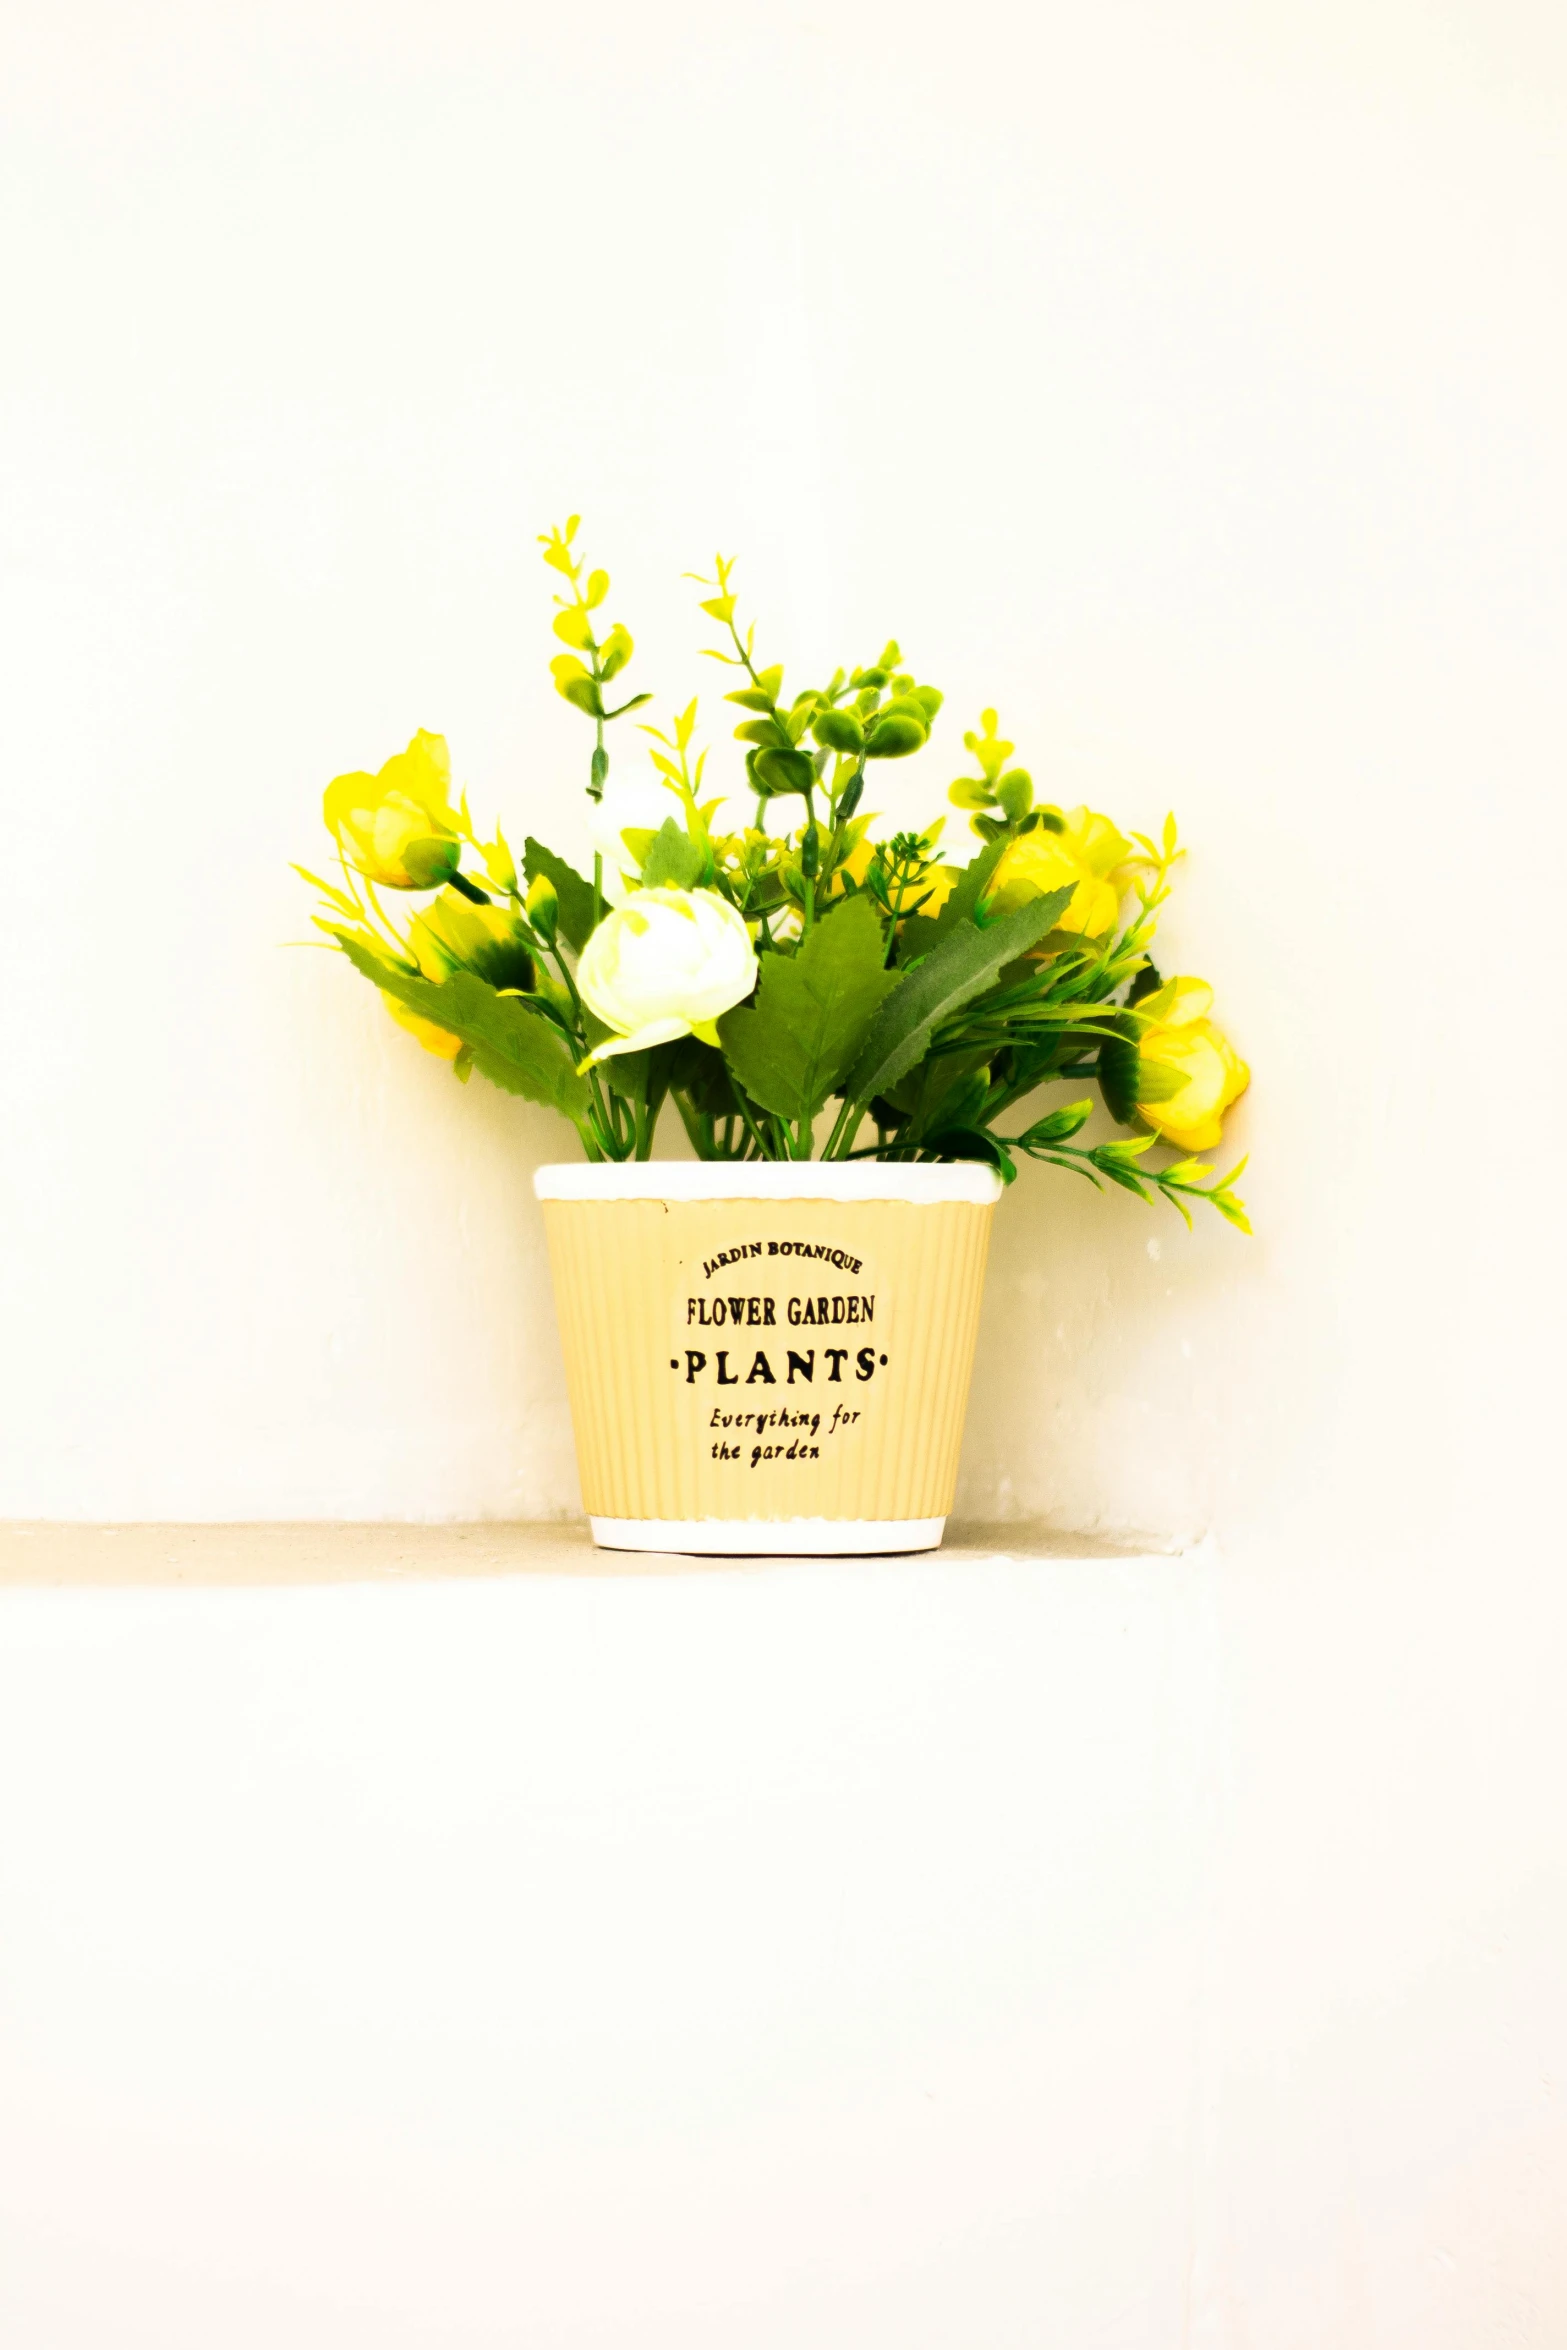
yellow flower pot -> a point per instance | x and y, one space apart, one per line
769 1359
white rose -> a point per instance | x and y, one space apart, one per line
640 804
665 964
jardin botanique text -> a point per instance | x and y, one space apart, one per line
769 1430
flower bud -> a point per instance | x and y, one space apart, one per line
500 864
665 964
1188 1071
398 827
455 935
542 907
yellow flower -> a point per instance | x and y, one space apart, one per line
937 886
1191 1064
399 827
858 861
1083 856
452 934
439 1041
665 964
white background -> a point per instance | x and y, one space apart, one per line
1187 382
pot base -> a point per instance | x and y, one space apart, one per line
770 1537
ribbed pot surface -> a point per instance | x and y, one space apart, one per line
750 1358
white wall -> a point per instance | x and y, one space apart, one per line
1187 382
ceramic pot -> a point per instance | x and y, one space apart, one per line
768 1358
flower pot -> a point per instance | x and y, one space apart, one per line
768 1358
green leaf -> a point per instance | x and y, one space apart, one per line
1230 1208
972 1142
574 628
894 736
965 962
615 652
1128 1182
329 890
572 680
776 772
811 1012
1059 1126
839 730
1118 1059
921 932
1118 1160
1126 1078
573 895
964 1099
516 1047
674 861
702 1075
971 791
1159 1081
1015 793
928 1092
640 1078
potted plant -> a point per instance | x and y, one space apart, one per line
768 1346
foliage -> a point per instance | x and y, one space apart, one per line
833 991
792 1046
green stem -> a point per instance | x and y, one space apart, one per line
895 913
602 1114
776 715
696 1126
752 1128
845 1128
564 968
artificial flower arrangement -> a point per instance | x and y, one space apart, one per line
811 990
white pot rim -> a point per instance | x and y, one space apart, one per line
962 1183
